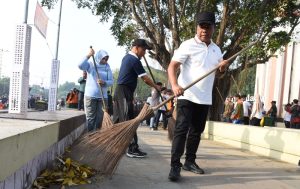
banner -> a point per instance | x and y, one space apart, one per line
40 20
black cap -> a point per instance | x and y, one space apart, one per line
206 17
273 101
142 43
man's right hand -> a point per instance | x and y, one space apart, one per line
177 90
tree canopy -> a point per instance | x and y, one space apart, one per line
166 23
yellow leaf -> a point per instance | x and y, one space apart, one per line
70 174
66 181
84 175
45 173
71 183
83 182
68 162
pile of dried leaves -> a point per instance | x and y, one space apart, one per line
66 173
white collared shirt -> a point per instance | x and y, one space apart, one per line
197 59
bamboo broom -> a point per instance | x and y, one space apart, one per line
106 147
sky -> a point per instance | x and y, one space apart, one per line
79 30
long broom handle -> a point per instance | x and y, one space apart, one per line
152 76
205 75
98 77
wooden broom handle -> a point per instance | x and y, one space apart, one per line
205 75
152 76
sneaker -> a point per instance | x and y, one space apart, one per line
174 174
142 152
135 154
193 167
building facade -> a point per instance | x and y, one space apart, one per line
279 78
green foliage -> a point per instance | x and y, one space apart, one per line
143 90
245 83
277 40
63 89
4 86
38 91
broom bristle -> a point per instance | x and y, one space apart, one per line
171 125
105 148
106 122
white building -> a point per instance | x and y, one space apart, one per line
279 78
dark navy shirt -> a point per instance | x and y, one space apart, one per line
131 69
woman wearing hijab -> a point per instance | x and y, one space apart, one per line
257 112
93 99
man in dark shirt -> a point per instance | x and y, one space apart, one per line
82 82
131 68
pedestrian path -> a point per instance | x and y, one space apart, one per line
226 168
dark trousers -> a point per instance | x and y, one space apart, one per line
190 123
157 116
80 100
246 120
287 124
124 109
254 121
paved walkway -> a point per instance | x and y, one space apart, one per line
226 168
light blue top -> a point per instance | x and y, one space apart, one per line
105 73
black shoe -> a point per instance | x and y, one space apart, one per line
141 152
135 154
193 167
174 174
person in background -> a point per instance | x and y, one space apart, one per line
272 112
295 115
228 109
246 109
257 112
131 69
109 104
154 102
237 115
82 82
93 99
287 115
161 111
148 101
72 98
194 57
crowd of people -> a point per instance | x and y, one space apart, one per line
238 110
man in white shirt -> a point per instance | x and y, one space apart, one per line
247 106
195 57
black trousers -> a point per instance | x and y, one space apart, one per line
190 123
157 117
80 100
124 109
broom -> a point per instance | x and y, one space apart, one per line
106 147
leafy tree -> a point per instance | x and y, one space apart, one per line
63 89
142 90
38 91
4 86
166 23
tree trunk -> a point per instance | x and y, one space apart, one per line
223 85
